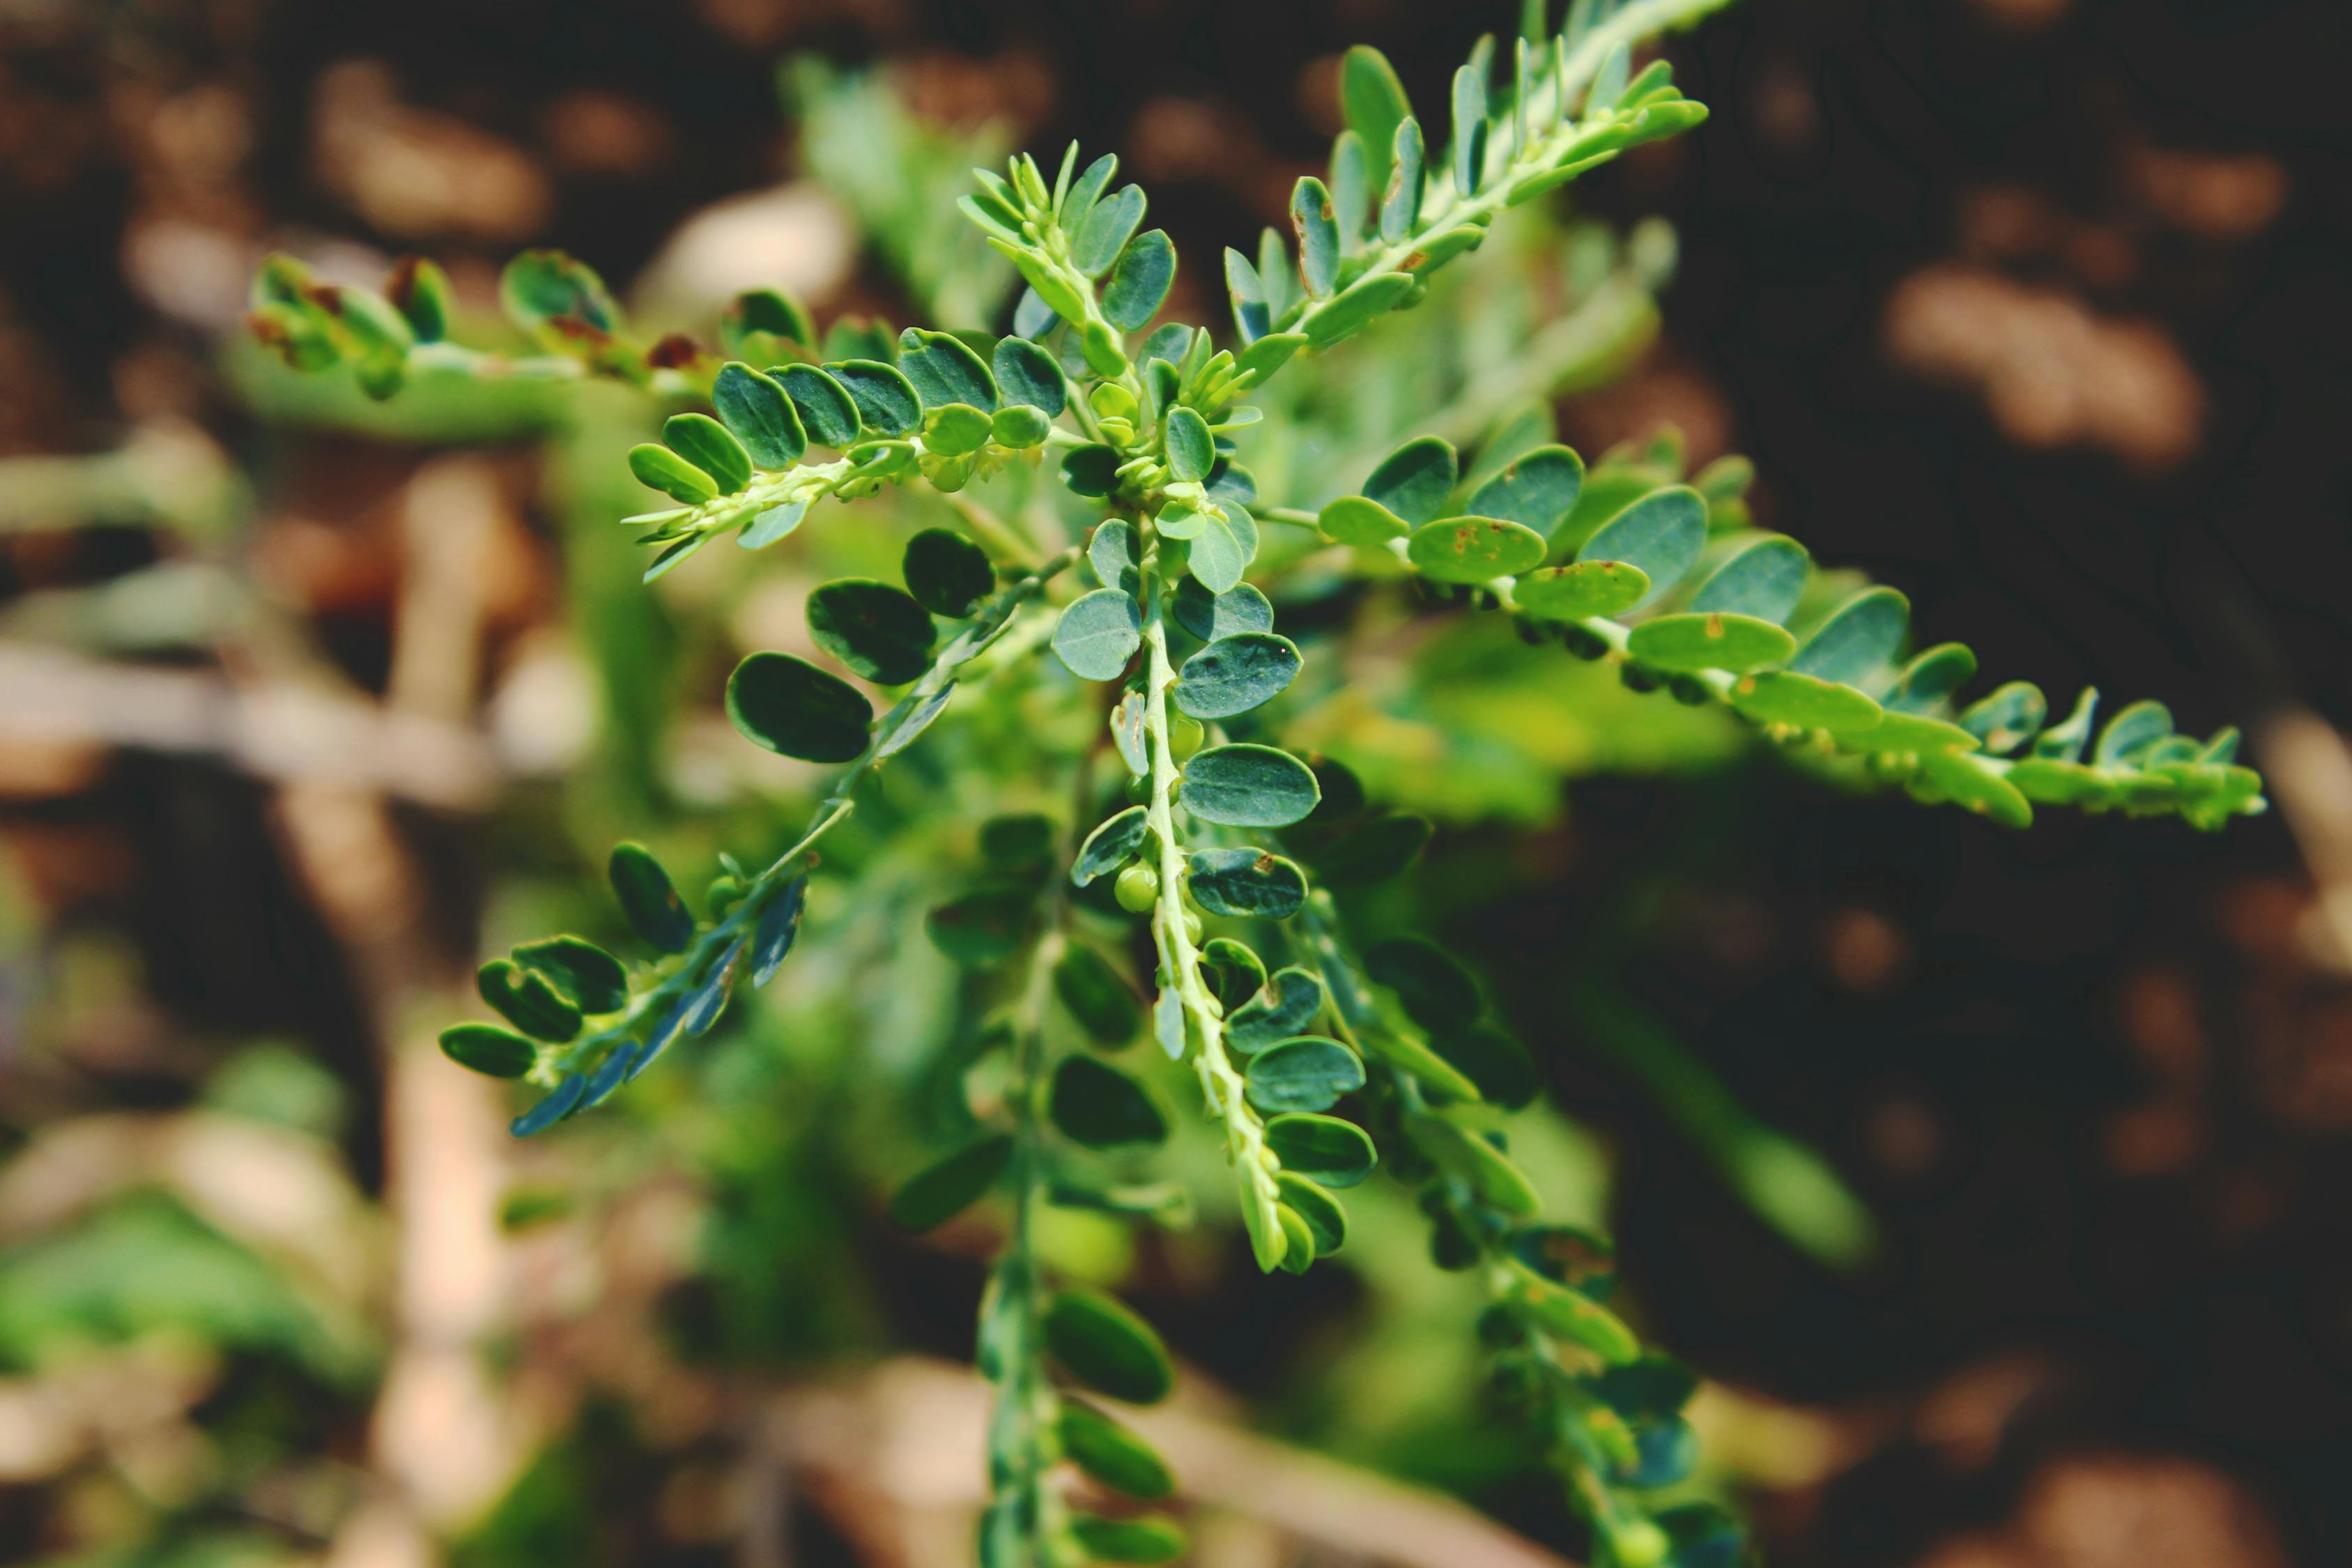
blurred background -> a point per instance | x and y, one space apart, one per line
2000 1186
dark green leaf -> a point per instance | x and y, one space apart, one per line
1473 549
1248 786
1027 373
2134 728
1221 544
1213 616
1113 554
1091 471
1321 1148
1400 200
2007 718
1931 679
1538 490
1413 481
879 631
1099 633
887 401
1095 1104
1325 1221
984 927
1372 851
1496 1063
1437 993
935 1196
779 921
1105 231
1588 588
1140 280
1764 580
1373 103
1313 221
1111 845
1715 641
487 1048
789 706
1284 1006
1087 189
1305 1074
1111 1454
651 903
1191 452
1095 996
420 291
1242 287
666 471
586 974
765 311
1859 639
756 409
947 574
1662 534
1137 1541
704 442
540 287
824 405
944 369
1105 1346
1235 674
528 1000
1017 839
1234 972
1246 884
1566 1255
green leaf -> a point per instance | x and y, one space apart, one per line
1373 103
1107 1347
1027 373
1140 280
1974 785
1325 1221
1501 1066
1095 1104
2064 742
1413 481
1235 674
666 471
420 291
1137 1541
2007 718
1106 230
1091 471
1779 697
789 706
957 430
1323 1149
1572 1316
1909 734
1247 291
1234 972
1437 993
1082 196
1859 639
1190 450
1473 549
1248 785
1095 996
559 1104
944 369
1715 641
779 923
765 312
1305 1074
528 1000
1537 490
826 411
648 898
1765 580
879 632
1662 534
1477 1163
541 287
593 979
1359 520
1588 588
947 574
1372 851
1114 1456
1221 548
1283 1006
1266 355
937 1195
488 1049
1099 633
704 442
1111 845
1409 1053
1246 883
759 413
1215 616
980 928
1400 200
771 525
1470 127
1365 300
1113 552
1312 220
2134 728
1931 679
887 401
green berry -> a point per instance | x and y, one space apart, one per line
1137 889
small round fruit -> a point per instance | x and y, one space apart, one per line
1184 737
1137 887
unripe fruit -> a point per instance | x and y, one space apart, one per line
1137 887
1184 737
1192 928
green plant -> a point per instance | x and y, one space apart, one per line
1119 447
